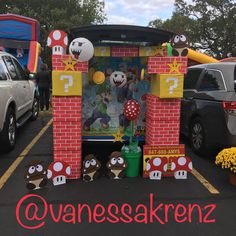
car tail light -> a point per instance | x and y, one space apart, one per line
230 106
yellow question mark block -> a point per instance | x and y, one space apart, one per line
66 83
102 52
167 85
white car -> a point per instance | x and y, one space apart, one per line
18 99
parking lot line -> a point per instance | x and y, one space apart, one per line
205 183
20 158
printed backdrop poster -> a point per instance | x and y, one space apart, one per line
103 103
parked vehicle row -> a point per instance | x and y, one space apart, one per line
208 107
18 99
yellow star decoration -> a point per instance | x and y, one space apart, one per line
159 50
69 64
174 67
118 136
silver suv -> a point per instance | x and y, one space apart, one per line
18 99
208 107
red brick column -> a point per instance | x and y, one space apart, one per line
163 114
67 132
159 65
162 121
67 122
57 63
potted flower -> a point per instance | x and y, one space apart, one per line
227 159
131 152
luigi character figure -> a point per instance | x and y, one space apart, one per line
103 98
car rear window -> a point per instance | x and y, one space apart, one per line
211 81
191 78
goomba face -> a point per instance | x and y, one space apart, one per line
179 41
118 79
91 164
81 49
35 170
116 162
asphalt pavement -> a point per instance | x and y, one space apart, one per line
108 207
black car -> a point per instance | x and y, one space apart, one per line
208 107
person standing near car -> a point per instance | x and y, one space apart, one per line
43 81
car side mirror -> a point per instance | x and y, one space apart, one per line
31 76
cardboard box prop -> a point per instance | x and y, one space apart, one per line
163 161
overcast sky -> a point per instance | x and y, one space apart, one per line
137 12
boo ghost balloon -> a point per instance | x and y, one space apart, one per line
81 49
118 79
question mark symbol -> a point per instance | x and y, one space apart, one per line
69 83
148 51
175 85
103 51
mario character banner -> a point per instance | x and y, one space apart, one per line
103 103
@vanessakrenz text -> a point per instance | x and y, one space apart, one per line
33 212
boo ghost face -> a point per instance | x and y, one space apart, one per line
118 79
81 49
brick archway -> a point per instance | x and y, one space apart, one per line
163 109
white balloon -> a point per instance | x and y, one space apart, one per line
81 49
118 79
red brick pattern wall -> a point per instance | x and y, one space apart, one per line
159 65
125 51
165 51
67 116
57 63
162 121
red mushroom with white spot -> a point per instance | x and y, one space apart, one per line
155 167
181 166
58 41
58 171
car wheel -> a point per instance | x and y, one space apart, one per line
35 109
8 134
197 136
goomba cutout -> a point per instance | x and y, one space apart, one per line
81 49
116 165
179 44
35 175
118 79
91 165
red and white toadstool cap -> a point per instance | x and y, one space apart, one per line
181 163
58 168
131 109
157 163
57 38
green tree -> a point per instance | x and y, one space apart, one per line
210 25
56 14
